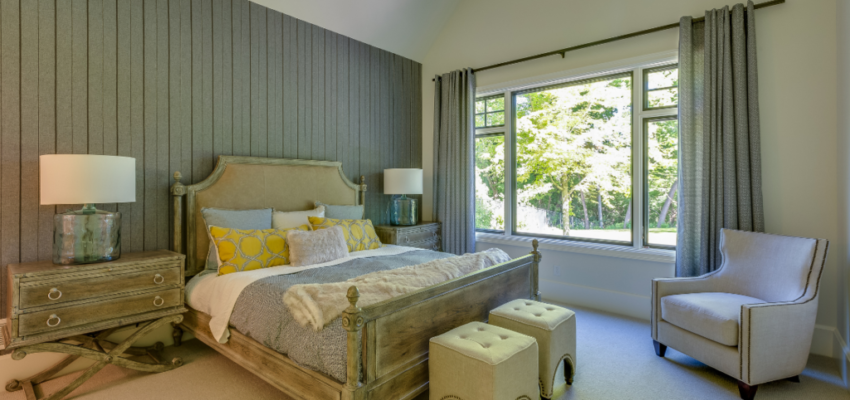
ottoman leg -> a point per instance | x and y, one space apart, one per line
568 372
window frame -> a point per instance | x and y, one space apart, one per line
488 133
645 128
488 112
646 89
638 248
513 206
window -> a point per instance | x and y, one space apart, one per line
661 87
490 111
591 159
662 180
490 182
573 159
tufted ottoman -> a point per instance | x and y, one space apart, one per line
555 330
480 361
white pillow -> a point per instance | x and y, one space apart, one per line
294 219
315 247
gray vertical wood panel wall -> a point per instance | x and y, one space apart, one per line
175 84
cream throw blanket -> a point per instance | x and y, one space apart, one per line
315 305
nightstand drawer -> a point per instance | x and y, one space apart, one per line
408 236
47 293
67 317
433 244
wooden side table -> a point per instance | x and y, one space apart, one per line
425 235
74 309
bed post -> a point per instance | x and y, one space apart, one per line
535 267
362 190
177 191
352 321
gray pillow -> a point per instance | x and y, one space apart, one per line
342 212
235 219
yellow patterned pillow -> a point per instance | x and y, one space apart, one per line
246 250
359 233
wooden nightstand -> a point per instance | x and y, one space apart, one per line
425 235
58 309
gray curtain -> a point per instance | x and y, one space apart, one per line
454 152
719 150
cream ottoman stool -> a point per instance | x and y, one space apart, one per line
555 330
477 361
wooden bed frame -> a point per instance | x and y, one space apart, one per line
387 342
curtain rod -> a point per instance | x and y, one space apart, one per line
563 52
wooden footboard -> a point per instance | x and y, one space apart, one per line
393 345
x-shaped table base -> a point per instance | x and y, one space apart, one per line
95 348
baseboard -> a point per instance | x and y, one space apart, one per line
823 341
627 304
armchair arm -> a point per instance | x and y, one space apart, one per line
776 339
668 286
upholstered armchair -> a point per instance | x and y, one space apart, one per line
753 318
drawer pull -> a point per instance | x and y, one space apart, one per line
53 292
158 301
51 318
158 279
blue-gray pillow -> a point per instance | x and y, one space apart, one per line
342 212
235 219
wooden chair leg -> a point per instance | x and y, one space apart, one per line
747 392
660 349
568 372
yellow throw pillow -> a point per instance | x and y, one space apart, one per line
246 250
359 233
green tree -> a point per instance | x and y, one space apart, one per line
572 140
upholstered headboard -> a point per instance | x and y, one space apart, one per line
250 183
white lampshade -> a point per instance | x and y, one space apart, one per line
403 181
86 179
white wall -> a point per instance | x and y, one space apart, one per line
797 77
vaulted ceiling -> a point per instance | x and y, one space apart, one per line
404 27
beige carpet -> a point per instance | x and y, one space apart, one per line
615 361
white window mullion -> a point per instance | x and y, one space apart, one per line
509 162
637 160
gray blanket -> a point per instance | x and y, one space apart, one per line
260 314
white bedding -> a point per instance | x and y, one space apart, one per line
216 295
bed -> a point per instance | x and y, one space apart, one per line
386 344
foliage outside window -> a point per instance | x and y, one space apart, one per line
490 111
572 152
490 182
662 156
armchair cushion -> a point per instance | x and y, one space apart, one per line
712 315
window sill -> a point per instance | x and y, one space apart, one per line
600 249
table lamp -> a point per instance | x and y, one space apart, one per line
87 235
403 181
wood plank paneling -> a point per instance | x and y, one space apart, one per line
174 84
304 102
29 131
137 123
46 112
10 137
290 87
318 94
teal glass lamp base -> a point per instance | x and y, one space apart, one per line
86 236
403 211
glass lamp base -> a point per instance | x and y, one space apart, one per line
403 211
86 236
